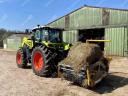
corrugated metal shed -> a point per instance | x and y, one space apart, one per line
14 41
113 21
91 17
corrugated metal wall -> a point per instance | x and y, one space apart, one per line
92 17
60 23
14 41
119 43
118 17
126 42
86 17
118 36
70 36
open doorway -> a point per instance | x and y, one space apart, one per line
93 34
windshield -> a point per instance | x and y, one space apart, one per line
44 34
37 34
54 35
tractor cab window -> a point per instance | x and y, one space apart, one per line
54 36
37 34
44 34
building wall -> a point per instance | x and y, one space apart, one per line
59 23
85 17
118 36
70 36
119 41
14 41
90 17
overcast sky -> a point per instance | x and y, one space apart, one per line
22 14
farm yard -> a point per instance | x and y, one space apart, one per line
23 82
68 50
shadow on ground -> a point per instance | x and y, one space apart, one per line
28 67
110 83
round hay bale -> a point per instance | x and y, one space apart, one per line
81 54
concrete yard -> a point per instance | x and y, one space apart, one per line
23 82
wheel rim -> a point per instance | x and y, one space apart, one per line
19 58
38 61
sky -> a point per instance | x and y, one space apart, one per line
26 14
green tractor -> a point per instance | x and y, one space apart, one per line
43 50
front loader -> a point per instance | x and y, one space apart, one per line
85 64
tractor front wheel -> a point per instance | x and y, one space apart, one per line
42 61
20 58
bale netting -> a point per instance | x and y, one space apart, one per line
81 54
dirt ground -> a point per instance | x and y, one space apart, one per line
23 82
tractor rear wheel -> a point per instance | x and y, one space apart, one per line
21 59
42 61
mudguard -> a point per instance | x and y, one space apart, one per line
28 42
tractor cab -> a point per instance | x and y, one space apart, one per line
50 37
47 34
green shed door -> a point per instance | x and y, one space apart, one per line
118 44
126 42
70 36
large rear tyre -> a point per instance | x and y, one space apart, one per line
42 61
21 59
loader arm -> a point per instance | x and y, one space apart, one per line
28 42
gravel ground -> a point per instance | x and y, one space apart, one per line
23 82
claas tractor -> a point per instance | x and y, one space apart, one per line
43 50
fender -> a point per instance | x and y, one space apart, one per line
28 42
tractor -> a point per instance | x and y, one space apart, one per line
43 50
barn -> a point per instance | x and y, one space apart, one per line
96 23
